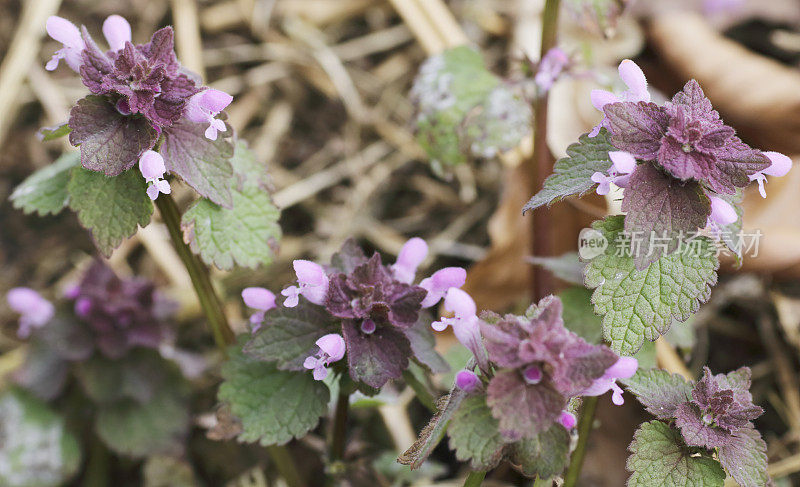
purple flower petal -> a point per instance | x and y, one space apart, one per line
632 75
603 182
722 213
467 381
151 165
117 32
312 279
333 346
258 298
601 98
780 164
568 420
440 282
292 294
624 162
67 34
410 257
34 310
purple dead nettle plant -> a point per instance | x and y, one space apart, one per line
531 366
376 307
141 90
682 145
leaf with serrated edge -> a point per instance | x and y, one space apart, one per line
660 459
545 455
203 164
745 458
659 206
45 191
112 208
273 405
474 434
572 175
434 431
639 305
659 391
288 335
110 142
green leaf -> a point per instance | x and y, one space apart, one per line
245 234
35 448
46 134
45 191
545 455
423 345
139 429
474 434
203 164
572 174
579 316
567 267
659 391
386 464
434 431
288 335
138 376
112 208
638 305
273 405
660 459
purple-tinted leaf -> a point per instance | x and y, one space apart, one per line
523 410
348 257
110 142
695 101
697 428
745 458
375 358
203 164
659 208
637 127
659 391
728 401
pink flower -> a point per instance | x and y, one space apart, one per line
312 283
151 165
440 282
623 368
117 32
779 167
410 257
331 349
258 298
633 77
550 68
623 164
567 420
465 323
722 213
204 106
467 381
67 34
34 310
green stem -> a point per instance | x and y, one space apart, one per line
584 429
198 273
422 392
215 314
96 474
541 163
474 479
339 427
285 464
539 482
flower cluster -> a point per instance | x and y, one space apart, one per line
531 366
121 313
715 414
687 143
377 305
140 93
